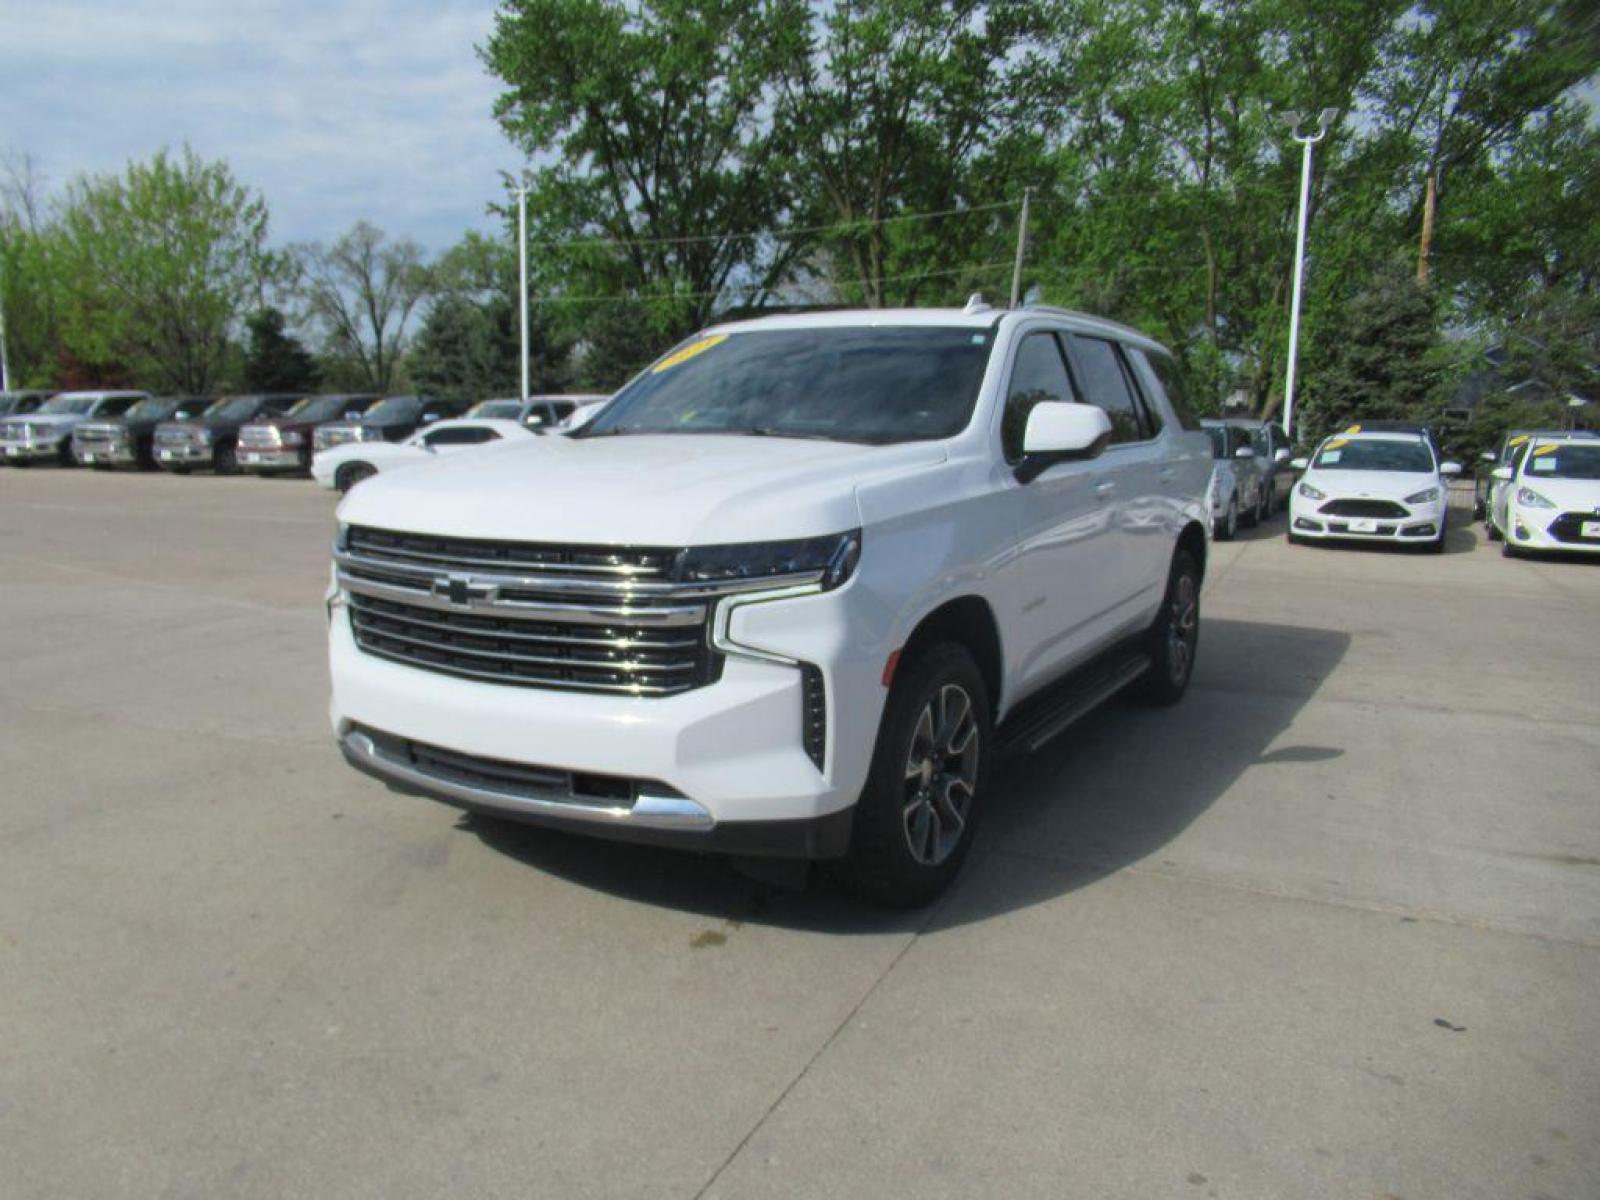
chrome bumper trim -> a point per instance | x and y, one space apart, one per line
646 812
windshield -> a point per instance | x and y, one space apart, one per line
503 410
1374 454
236 408
151 410
896 384
323 408
67 405
398 409
1219 441
1564 460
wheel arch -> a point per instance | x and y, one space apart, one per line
1193 539
969 621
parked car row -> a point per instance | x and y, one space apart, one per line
264 433
1544 493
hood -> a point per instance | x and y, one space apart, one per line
52 421
1569 495
1374 485
673 490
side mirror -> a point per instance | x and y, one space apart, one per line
1244 452
1300 464
1503 474
1449 469
1282 456
1487 456
353 415
428 418
1058 432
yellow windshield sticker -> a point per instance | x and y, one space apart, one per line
1518 440
1336 443
688 352
1354 429
1547 448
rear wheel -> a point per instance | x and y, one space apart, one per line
1174 638
347 476
915 820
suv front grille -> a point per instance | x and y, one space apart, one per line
259 437
99 435
1386 510
177 435
466 554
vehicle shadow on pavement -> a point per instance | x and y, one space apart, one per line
1111 791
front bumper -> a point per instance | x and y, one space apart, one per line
187 454
29 449
98 454
1424 523
281 458
1543 529
721 767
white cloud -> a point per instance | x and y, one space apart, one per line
375 109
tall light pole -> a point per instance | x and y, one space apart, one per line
522 277
1324 120
5 363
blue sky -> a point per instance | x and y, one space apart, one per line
336 111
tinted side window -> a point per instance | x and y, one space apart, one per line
116 406
1170 377
459 437
1106 384
1039 375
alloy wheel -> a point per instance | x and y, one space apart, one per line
941 775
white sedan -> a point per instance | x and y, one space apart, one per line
1387 487
1548 497
342 467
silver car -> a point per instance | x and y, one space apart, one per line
1239 487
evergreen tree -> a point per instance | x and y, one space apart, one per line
276 361
1378 357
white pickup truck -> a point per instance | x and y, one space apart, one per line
790 593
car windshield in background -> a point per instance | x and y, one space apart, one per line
150 410
1374 454
894 384
396 408
67 406
236 409
321 408
1219 441
501 410
1564 461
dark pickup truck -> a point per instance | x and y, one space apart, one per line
212 438
283 443
392 419
129 440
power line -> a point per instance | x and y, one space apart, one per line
623 298
797 231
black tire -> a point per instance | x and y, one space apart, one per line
1228 526
352 473
1174 637
64 454
1489 530
146 457
1507 550
225 459
923 722
179 470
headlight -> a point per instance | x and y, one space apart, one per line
1529 498
202 436
1425 496
835 556
1311 493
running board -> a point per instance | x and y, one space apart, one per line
1048 716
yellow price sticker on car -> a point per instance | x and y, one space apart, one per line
1548 448
692 350
1336 443
1518 440
1354 429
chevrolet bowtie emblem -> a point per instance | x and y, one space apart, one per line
455 588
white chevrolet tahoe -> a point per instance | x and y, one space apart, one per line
790 593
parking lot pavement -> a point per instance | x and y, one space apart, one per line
1329 928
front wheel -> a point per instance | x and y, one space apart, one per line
914 822
1174 638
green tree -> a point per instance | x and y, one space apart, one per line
275 361
155 267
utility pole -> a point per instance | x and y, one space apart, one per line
1022 247
1429 201
522 276
1324 119
5 362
